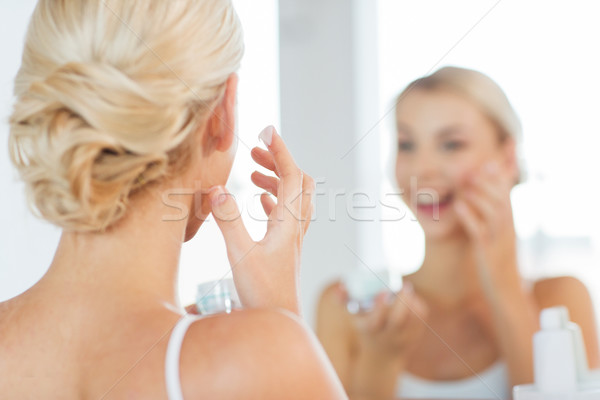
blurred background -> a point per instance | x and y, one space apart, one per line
325 73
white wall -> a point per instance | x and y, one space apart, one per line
328 51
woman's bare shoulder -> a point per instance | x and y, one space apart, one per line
10 311
560 290
255 354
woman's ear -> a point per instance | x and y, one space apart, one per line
221 125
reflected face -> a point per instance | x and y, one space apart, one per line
443 140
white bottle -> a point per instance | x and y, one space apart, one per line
554 354
582 368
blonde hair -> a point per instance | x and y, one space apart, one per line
476 87
107 98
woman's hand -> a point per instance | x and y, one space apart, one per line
389 331
266 273
486 215
386 338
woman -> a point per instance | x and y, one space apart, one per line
463 325
123 132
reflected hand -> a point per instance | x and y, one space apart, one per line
390 331
487 217
266 273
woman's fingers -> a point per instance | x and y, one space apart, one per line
482 206
268 183
492 183
491 188
269 276
229 220
308 195
289 190
267 203
406 306
283 160
487 198
271 184
469 218
377 318
263 158
401 308
399 313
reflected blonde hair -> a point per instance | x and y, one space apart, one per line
477 88
107 98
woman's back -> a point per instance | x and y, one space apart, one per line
51 350
58 346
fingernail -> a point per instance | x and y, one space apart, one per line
267 135
218 196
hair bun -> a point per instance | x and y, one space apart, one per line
107 96
80 140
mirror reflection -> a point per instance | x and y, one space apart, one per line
461 326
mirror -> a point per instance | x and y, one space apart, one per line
549 77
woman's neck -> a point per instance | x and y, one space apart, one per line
448 275
134 263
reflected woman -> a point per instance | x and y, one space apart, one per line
462 326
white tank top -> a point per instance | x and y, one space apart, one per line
492 383
172 359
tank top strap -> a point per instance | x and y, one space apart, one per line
173 382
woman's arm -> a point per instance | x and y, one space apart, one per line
486 214
336 332
572 293
370 350
362 374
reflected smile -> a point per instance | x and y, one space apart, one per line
429 204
